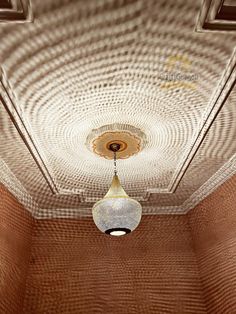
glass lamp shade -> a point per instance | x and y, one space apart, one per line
117 214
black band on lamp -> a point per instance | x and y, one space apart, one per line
125 230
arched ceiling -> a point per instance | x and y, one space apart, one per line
69 68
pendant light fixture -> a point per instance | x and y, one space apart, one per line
116 214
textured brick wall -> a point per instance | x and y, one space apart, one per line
213 224
76 269
73 268
15 242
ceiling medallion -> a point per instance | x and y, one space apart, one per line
130 139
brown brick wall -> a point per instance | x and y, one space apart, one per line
76 269
73 268
15 243
213 224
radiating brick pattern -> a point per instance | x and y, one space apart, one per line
15 243
213 224
84 65
74 268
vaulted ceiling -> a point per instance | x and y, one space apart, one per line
160 71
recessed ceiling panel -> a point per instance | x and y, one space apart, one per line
217 15
83 66
15 11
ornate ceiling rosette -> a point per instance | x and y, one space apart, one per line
131 140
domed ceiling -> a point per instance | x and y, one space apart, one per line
156 74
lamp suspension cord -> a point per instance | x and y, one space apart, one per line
115 167
115 148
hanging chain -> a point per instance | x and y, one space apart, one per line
115 168
115 148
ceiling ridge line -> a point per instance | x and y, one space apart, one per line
17 189
20 125
62 213
216 102
215 181
10 181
